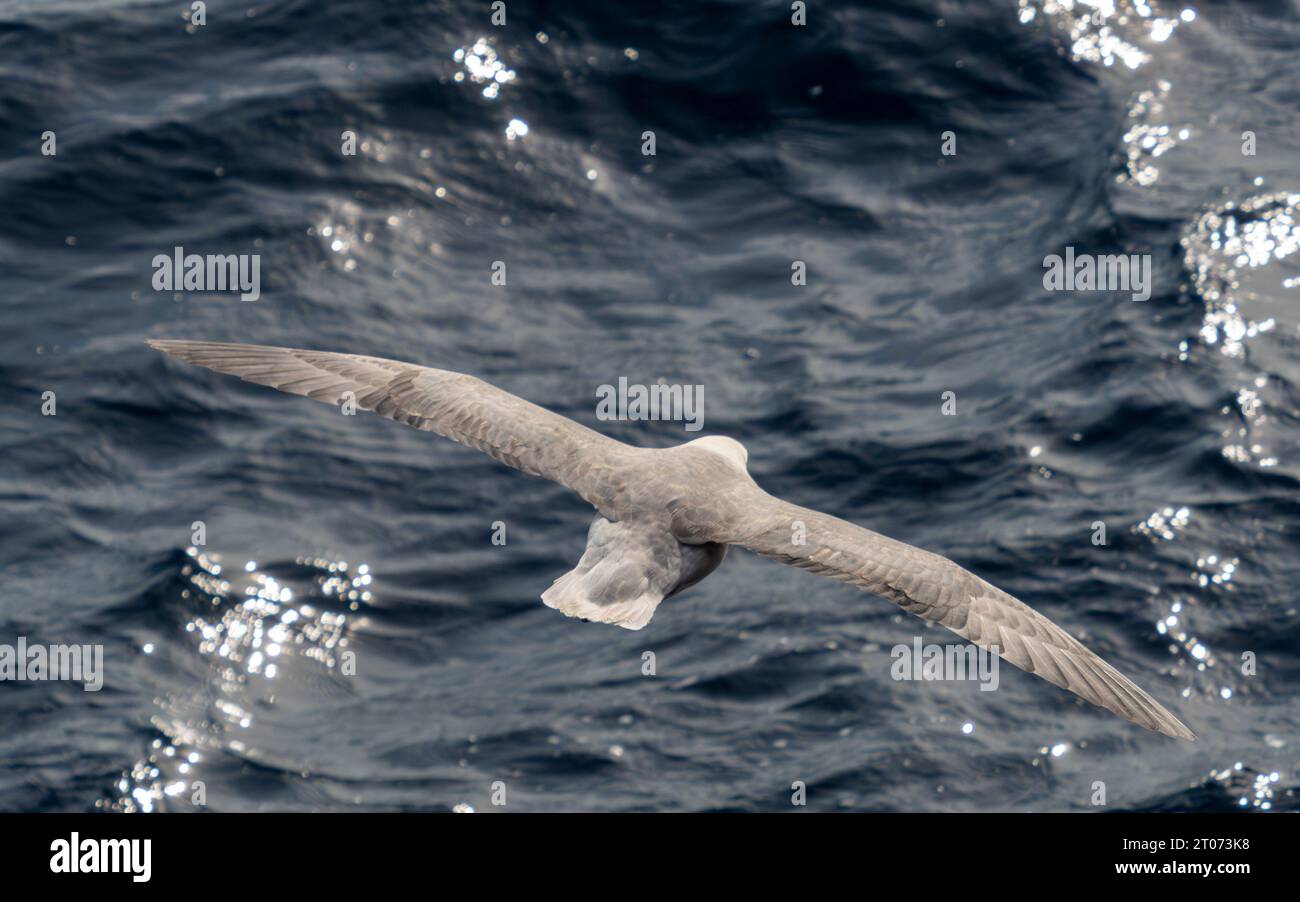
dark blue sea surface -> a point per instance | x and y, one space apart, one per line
1110 128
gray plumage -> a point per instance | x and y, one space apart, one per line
668 515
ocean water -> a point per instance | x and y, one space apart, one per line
348 637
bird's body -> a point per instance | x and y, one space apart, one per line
666 517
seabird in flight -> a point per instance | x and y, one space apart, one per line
666 517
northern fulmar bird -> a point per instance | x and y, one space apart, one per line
667 516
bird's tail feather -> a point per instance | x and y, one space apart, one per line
570 595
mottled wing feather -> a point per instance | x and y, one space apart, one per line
934 588
459 407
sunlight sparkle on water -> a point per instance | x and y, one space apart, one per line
517 128
244 628
1106 31
1165 523
482 66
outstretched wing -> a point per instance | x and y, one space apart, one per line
936 589
459 407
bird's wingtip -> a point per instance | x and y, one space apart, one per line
1176 729
175 347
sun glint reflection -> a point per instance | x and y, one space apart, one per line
249 625
482 65
1107 31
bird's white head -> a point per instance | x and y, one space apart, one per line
728 448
